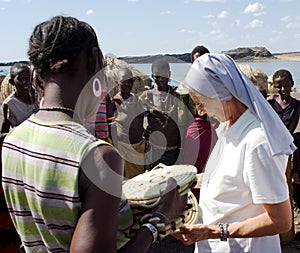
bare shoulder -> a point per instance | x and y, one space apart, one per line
109 154
103 167
100 185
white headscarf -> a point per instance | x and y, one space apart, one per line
217 76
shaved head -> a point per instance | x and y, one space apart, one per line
124 74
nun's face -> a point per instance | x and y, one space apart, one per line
212 106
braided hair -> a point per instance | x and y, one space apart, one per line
55 44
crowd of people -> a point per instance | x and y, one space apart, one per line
69 140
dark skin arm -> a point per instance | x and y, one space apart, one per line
171 205
96 228
110 106
5 124
295 121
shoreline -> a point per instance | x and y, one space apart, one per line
276 58
288 56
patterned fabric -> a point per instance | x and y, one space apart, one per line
98 124
125 221
40 181
9 238
101 126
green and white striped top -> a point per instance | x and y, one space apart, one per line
41 162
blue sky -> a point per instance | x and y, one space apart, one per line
145 27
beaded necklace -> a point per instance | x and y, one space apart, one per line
58 109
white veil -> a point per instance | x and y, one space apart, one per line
218 76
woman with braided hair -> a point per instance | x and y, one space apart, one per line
62 185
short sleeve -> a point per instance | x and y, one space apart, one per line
265 175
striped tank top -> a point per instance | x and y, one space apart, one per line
41 162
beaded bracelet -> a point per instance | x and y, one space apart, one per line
162 228
152 229
223 231
158 213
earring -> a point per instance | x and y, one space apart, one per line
97 88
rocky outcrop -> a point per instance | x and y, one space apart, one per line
172 58
249 54
239 54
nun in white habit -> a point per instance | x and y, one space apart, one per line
244 199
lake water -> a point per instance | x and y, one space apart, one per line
179 70
4 70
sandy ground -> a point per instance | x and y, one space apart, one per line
288 56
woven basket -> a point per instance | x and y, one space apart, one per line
144 191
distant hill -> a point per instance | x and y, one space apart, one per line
239 54
12 63
172 58
249 54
